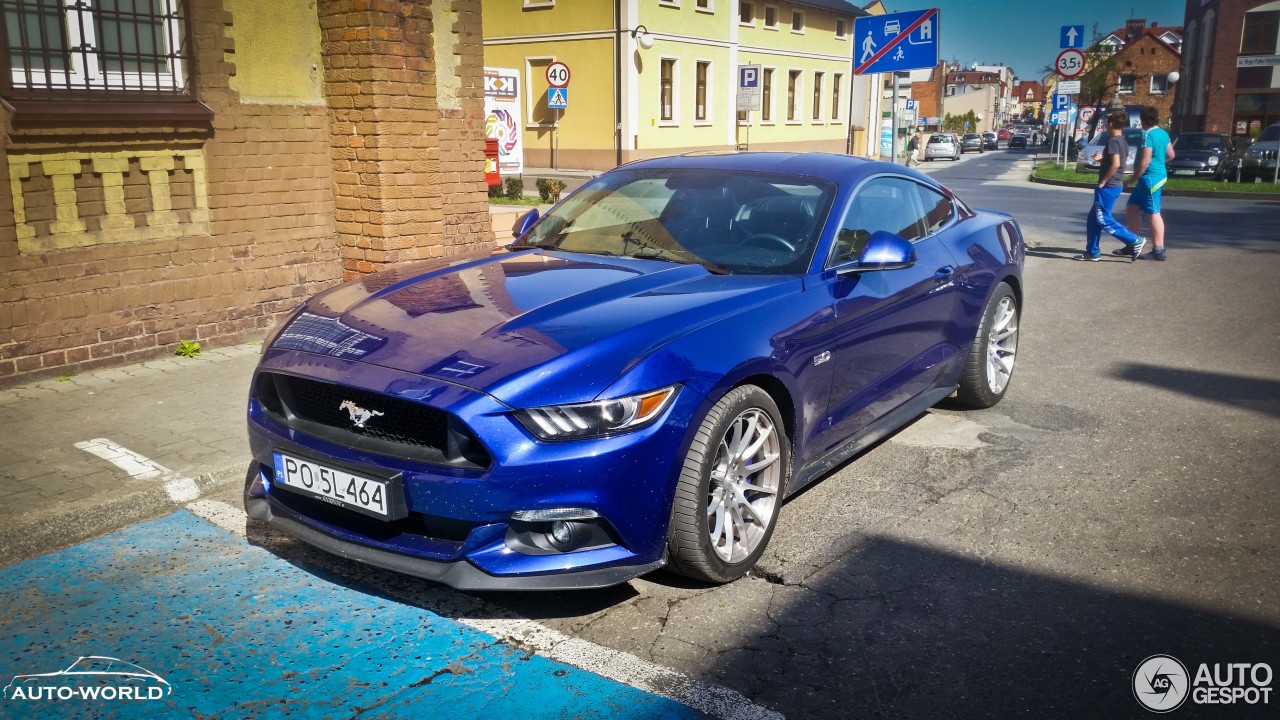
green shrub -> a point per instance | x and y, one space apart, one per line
549 189
515 187
495 191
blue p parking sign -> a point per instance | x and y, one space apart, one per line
749 76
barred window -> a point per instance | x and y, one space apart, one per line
110 46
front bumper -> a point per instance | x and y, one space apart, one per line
459 529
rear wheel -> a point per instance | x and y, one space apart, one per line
730 488
989 366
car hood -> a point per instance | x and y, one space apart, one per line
505 324
1193 156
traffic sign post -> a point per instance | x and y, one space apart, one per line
557 100
1072 36
1070 63
900 41
750 97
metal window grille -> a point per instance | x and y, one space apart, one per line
96 48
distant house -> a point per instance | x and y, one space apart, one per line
1028 99
1231 77
1139 61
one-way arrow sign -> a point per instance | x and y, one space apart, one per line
1072 36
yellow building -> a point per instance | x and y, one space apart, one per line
659 77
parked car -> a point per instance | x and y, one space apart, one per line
942 145
1200 154
1260 159
990 141
1085 161
971 142
653 367
1018 141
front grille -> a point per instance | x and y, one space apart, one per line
401 428
418 524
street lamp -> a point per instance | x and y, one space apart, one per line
642 37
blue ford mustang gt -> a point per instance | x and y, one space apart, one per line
652 368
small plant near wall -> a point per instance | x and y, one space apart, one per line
515 187
549 189
495 191
188 348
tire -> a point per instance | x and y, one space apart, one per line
705 541
990 364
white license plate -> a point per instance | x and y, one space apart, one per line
1184 172
337 487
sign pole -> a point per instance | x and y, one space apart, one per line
555 142
893 157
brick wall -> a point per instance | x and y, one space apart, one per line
270 242
1144 57
297 195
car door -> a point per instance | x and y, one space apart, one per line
893 330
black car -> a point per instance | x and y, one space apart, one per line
990 141
1201 155
971 142
1018 141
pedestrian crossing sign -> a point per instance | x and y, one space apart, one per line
557 98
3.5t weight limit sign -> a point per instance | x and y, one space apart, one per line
558 75
1070 63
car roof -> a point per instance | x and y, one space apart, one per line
824 166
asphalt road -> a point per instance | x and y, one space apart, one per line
1023 560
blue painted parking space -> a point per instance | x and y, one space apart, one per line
178 618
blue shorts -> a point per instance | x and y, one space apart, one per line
1146 195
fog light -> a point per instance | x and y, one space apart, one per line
561 534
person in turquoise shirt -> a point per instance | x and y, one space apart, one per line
1149 175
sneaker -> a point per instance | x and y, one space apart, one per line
1125 250
1157 254
1137 248
1087 258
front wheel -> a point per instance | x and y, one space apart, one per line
730 489
989 366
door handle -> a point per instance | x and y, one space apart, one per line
944 274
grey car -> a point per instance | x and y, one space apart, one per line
1260 158
971 142
1087 162
942 145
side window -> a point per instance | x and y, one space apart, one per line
938 209
886 203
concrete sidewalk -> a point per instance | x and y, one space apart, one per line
87 454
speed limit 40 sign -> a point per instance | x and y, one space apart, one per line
1070 63
558 75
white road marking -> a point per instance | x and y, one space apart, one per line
180 489
552 644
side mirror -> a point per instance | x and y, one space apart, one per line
524 223
884 251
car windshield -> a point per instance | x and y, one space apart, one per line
971 136
1271 134
939 139
734 222
1209 143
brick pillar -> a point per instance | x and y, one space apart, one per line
404 84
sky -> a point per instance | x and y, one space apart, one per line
1023 34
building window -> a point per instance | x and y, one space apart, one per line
1159 84
797 22
669 3
746 14
817 96
770 18
113 45
793 87
538 4
766 96
704 6
842 30
700 99
668 99
836 82
1260 29
1126 83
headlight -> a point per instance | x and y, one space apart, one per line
1213 161
597 419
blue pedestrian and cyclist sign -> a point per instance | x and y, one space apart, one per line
901 41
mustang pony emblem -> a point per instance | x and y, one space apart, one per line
359 415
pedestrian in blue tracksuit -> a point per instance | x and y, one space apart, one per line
1110 183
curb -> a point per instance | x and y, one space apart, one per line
1265 197
75 522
